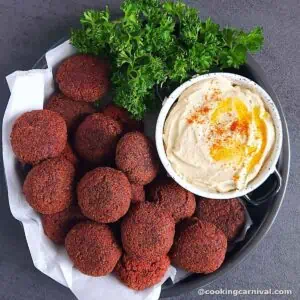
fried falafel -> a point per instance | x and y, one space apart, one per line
199 247
228 215
137 158
48 186
73 112
83 77
171 197
56 226
147 231
137 193
96 138
140 274
38 135
93 248
121 115
104 195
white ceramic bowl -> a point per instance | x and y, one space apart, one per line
269 165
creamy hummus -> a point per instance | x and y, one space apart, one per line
218 135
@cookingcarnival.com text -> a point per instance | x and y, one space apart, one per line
239 292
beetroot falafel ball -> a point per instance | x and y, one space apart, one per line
56 226
48 186
38 135
96 138
147 231
139 274
137 193
170 196
73 112
228 215
104 195
83 77
199 247
136 157
121 115
69 155
93 248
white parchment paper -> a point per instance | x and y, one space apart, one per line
29 90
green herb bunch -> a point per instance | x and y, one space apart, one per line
157 42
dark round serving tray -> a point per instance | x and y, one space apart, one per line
262 215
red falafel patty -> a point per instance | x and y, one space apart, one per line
147 231
69 155
96 138
83 77
48 186
137 193
136 157
38 135
56 226
199 247
170 196
73 112
104 195
93 248
228 215
139 274
121 115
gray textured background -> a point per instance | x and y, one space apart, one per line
28 28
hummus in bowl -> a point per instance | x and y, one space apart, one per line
219 135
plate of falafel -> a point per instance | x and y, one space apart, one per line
85 179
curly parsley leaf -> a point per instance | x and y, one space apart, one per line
157 42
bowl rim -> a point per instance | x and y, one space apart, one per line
268 166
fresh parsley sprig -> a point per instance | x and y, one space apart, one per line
157 42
